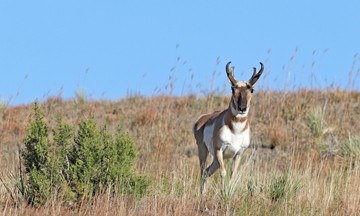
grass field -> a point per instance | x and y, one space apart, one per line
307 160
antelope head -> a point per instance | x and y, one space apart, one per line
242 91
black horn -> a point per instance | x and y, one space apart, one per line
256 75
230 74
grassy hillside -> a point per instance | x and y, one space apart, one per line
307 160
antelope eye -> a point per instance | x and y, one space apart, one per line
252 90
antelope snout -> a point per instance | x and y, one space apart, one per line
242 109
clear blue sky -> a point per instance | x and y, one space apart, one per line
115 48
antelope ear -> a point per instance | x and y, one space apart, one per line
250 87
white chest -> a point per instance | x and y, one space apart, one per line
234 141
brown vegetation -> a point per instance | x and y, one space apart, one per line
307 158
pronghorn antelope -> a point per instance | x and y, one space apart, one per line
226 134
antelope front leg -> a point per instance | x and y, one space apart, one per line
235 166
219 155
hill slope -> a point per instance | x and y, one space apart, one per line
307 158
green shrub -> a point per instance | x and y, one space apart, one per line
120 155
36 160
63 137
77 164
86 159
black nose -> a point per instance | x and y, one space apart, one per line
242 109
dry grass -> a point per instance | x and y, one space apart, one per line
308 172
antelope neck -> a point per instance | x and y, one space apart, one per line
238 119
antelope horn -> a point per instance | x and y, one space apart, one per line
230 74
256 75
